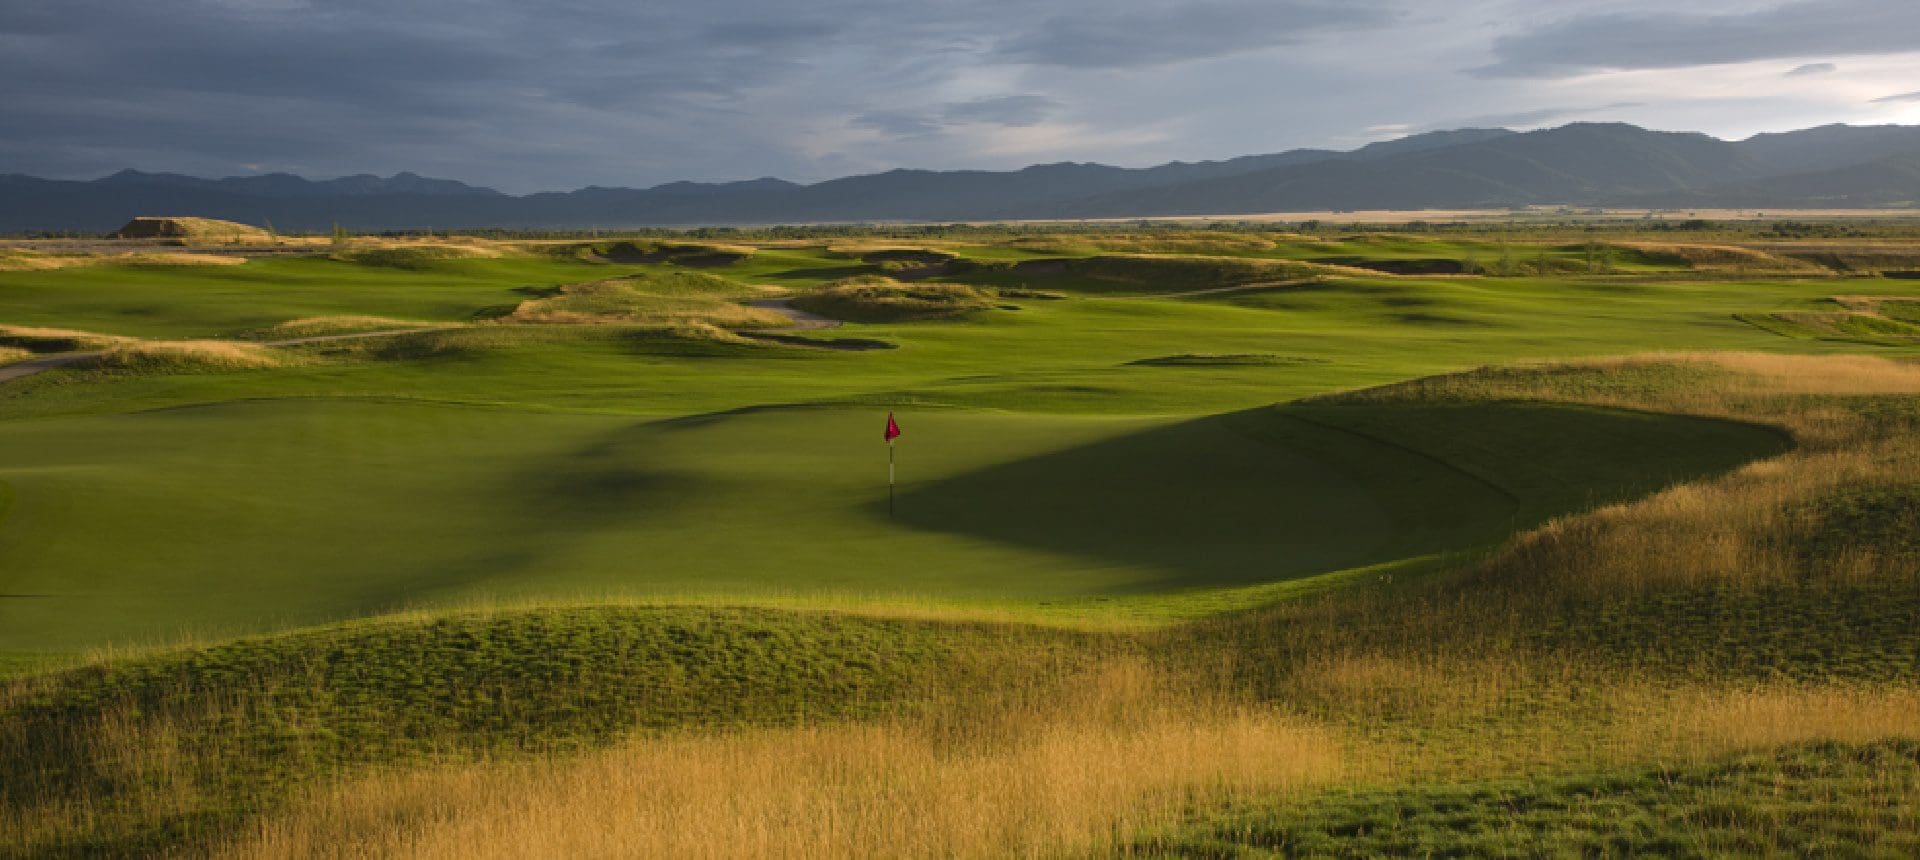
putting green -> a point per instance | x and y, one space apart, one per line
250 515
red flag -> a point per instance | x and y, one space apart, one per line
893 428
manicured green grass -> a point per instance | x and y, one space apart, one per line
541 461
331 508
1071 356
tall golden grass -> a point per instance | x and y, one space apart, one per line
1077 777
32 261
57 339
407 252
1208 242
618 302
188 355
342 324
1700 724
1727 258
1739 529
13 355
1070 776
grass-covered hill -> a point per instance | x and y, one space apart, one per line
1627 679
1206 543
173 747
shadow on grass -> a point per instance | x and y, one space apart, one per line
1300 489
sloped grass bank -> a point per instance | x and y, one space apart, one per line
177 747
1820 798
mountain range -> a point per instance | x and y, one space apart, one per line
1583 164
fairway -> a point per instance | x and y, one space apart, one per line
1111 441
258 514
419 503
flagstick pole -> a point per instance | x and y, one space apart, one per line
889 479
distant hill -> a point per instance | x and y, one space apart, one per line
161 227
1578 164
1891 181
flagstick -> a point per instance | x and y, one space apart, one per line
889 479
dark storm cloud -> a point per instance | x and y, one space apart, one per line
1665 40
1172 32
343 85
1811 69
898 123
591 89
564 93
1017 111
1529 118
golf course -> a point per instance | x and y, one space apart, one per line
1515 537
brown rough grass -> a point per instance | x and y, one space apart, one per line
1736 530
1726 258
29 261
13 355
620 301
57 339
1120 754
203 229
456 247
1703 723
187 355
341 324
1210 242
879 299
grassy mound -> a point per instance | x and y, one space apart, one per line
875 299
691 339
1860 319
1719 258
1211 242
175 747
30 261
183 356
1313 487
412 255
1859 259
1838 527
1144 275
1902 308
639 251
13 355
341 324
1803 799
653 298
912 264
182 227
43 340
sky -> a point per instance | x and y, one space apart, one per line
560 94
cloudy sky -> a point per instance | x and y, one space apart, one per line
559 94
